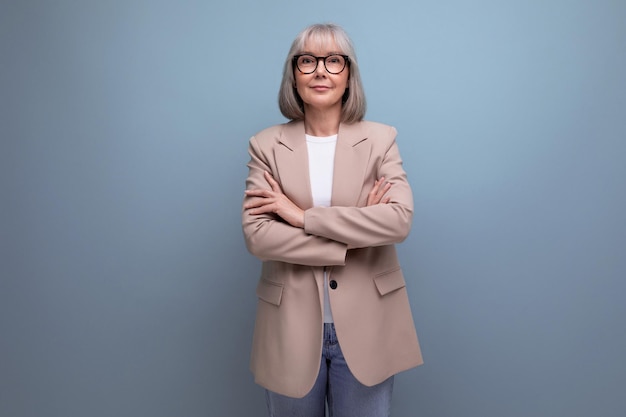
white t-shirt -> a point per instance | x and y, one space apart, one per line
321 152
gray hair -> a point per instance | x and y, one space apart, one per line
289 101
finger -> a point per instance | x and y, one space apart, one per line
379 196
385 188
272 182
380 192
258 193
261 209
258 202
378 183
374 191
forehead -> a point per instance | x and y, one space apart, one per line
320 43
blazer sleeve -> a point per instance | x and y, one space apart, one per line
268 237
376 225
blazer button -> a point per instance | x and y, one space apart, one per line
333 284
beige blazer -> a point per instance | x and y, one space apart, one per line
370 306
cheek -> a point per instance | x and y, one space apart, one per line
301 78
344 83
299 82
344 79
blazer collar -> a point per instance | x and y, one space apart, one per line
349 134
351 158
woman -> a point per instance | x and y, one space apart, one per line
326 200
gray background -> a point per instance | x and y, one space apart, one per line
125 286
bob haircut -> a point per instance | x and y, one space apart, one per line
353 103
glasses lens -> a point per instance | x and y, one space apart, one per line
335 64
306 63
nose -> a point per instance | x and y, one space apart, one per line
321 66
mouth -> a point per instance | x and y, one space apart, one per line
320 88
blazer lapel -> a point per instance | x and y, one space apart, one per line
351 158
292 162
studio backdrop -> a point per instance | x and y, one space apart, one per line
125 286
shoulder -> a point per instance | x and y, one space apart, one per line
270 132
282 133
375 126
379 133
280 130
266 137
377 130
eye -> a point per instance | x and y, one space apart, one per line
307 59
334 59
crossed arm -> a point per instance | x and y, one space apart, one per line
275 201
277 228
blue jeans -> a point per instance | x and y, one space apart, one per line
335 385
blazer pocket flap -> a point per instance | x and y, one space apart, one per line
271 292
389 281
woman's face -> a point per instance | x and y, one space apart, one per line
321 90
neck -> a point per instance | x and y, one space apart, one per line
321 123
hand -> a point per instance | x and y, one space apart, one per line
274 201
378 191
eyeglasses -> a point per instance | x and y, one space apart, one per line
334 64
